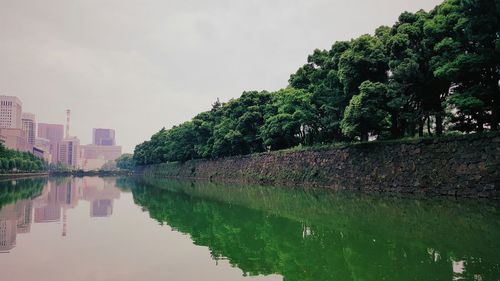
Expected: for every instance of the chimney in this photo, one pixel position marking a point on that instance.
(68, 113)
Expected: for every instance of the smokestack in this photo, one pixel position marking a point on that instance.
(68, 114)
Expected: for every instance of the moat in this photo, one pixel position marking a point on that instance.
(124, 228)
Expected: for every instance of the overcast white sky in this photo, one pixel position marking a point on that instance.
(139, 65)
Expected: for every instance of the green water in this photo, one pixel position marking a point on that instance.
(179, 230)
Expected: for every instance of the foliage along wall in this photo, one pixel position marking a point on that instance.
(467, 166)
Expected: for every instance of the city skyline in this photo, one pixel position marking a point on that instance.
(19, 130)
(173, 61)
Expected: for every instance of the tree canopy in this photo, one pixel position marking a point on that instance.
(427, 74)
(12, 160)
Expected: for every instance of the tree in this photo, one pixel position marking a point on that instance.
(391, 84)
(290, 119)
(365, 114)
(125, 161)
(320, 78)
(237, 131)
(466, 36)
(364, 60)
(179, 143)
(12, 164)
(416, 93)
(204, 125)
(4, 164)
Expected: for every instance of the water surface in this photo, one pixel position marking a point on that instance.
(148, 229)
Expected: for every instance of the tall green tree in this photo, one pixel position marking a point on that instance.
(466, 44)
(365, 114)
(204, 126)
(238, 131)
(416, 92)
(365, 60)
(125, 161)
(290, 119)
(320, 77)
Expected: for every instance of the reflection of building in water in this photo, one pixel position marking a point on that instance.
(14, 219)
(8, 228)
(60, 196)
(47, 208)
(101, 194)
(56, 198)
(24, 217)
(7, 235)
(101, 208)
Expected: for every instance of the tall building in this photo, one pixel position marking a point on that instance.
(68, 151)
(54, 133)
(103, 136)
(14, 138)
(29, 126)
(10, 112)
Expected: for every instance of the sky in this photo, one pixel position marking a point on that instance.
(139, 65)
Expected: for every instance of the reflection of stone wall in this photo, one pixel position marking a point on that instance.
(463, 166)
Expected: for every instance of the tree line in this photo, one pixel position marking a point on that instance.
(12, 160)
(430, 73)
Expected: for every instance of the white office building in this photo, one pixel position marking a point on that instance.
(29, 126)
(10, 112)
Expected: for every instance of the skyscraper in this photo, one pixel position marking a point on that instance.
(29, 126)
(54, 133)
(68, 151)
(103, 136)
(10, 112)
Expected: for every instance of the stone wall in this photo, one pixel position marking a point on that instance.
(466, 166)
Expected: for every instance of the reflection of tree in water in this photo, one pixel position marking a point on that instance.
(15, 209)
(14, 190)
(309, 236)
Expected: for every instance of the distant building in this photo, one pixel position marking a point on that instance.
(44, 144)
(29, 126)
(40, 153)
(103, 137)
(10, 112)
(54, 133)
(103, 149)
(68, 152)
(95, 156)
(15, 139)
(106, 153)
(92, 164)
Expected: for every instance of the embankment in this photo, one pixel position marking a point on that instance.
(465, 166)
(81, 173)
(22, 175)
